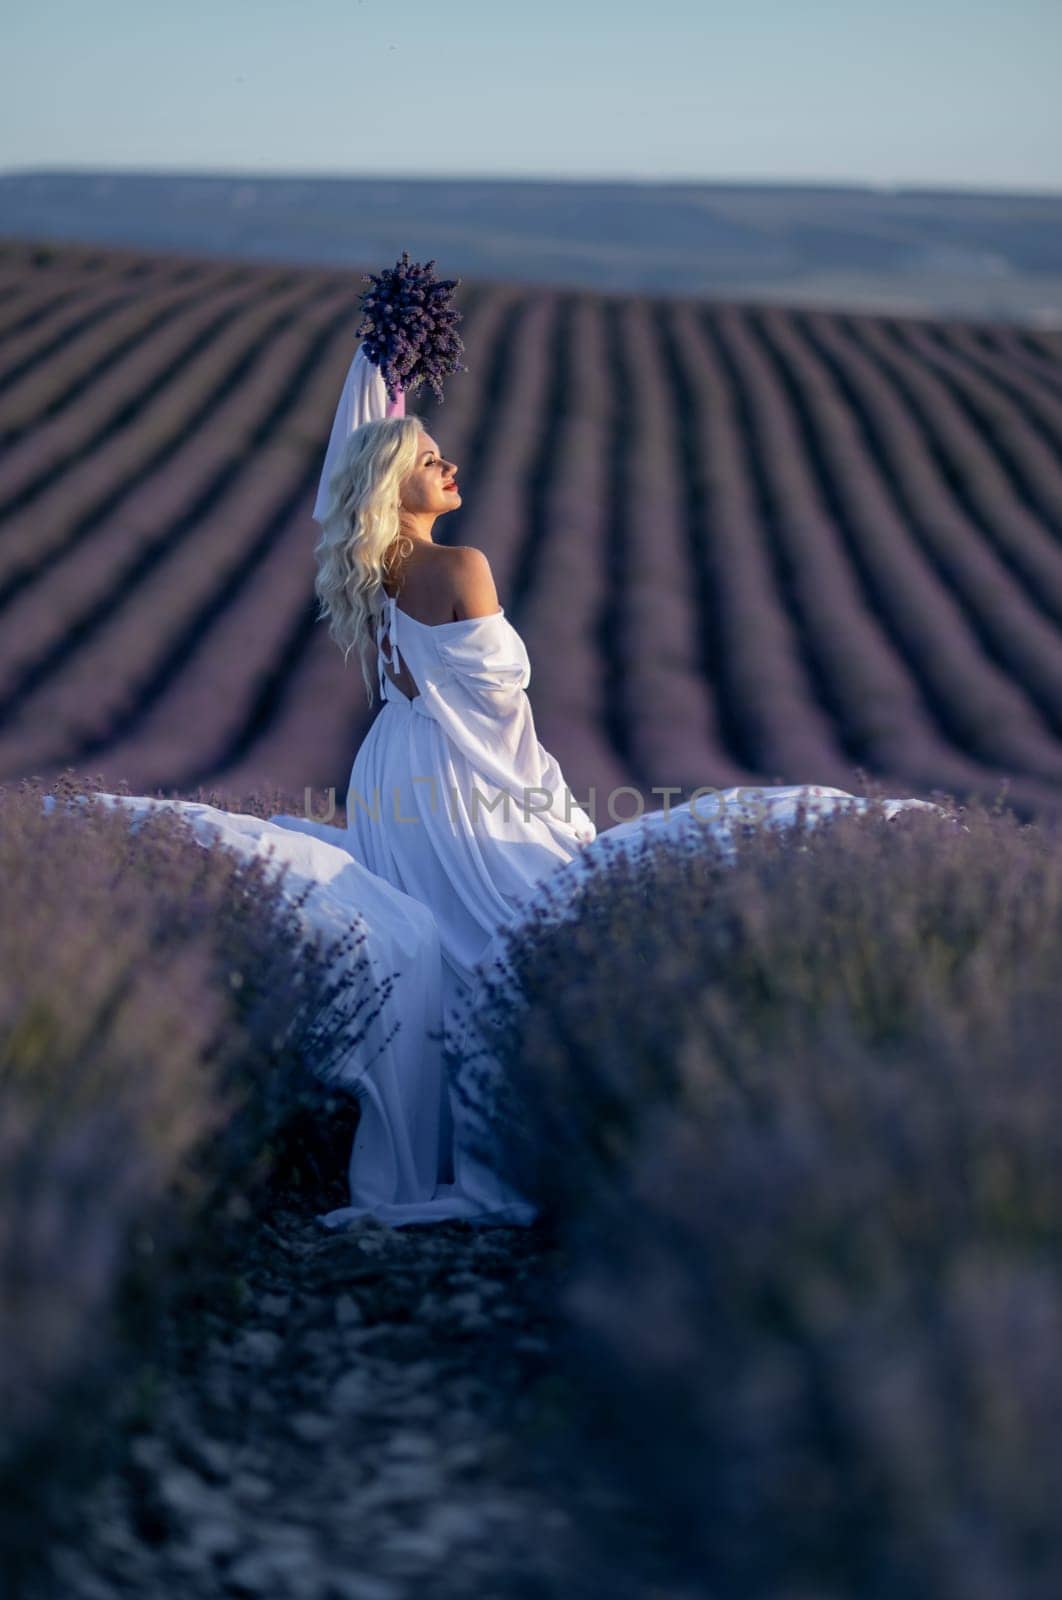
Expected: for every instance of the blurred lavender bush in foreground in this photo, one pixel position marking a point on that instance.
(799, 1118)
(161, 1012)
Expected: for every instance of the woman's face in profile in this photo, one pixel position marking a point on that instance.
(430, 486)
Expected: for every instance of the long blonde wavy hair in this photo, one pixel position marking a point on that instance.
(361, 541)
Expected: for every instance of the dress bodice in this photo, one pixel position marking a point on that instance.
(486, 652)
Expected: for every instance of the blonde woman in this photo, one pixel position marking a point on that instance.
(452, 799)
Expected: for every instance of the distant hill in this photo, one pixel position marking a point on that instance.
(743, 544)
(921, 252)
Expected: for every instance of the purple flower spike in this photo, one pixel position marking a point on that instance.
(409, 328)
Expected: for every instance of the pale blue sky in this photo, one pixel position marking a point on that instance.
(949, 92)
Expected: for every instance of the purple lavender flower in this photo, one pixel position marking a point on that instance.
(409, 327)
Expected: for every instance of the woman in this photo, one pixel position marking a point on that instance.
(452, 799)
(455, 813)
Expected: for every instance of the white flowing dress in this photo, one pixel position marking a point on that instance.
(456, 816)
(451, 796)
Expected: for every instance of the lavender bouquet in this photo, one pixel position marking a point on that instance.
(408, 327)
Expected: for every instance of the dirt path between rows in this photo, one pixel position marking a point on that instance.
(382, 1414)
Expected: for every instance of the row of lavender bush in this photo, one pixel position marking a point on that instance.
(799, 1118)
(854, 556)
(166, 1026)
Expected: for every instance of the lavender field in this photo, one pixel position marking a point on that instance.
(743, 544)
(792, 1323)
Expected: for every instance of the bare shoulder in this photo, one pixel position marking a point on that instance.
(472, 589)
